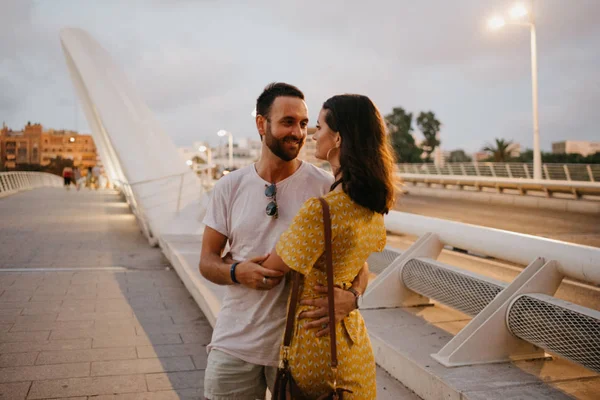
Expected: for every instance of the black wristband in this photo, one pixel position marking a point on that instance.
(232, 272)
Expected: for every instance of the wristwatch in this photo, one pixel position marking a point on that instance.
(358, 297)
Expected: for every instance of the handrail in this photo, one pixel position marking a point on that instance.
(562, 172)
(577, 188)
(15, 181)
(576, 261)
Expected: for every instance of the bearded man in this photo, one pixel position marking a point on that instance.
(250, 208)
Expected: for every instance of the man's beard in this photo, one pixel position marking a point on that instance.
(277, 146)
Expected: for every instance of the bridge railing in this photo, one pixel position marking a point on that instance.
(518, 320)
(562, 172)
(14, 181)
(577, 188)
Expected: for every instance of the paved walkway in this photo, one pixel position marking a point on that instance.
(88, 310)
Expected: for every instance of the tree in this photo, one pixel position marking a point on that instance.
(459, 156)
(500, 151)
(399, 124)
(430, 128)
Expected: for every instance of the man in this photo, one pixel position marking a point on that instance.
(250, 208)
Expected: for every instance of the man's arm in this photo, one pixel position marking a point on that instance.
(216, 270)
(345, 303)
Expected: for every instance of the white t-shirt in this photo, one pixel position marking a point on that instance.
(251, 322)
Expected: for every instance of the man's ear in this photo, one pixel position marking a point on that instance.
(261, 124)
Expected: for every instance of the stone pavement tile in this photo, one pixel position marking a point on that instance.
(175, 380)
(200, 360)
(45, 345)
(92, 316)
(171, 350)
(17, 359)
(180, 394)
(142, 366)
(13, 304)
(50, 290)
(43, 372)
(42, 308)
(87, 355)
(6, 337)
(201, 336)
(199, 327)
(93, 332)
(49, 317)
(14, 391)
(16, 295)
(10, 312)
(98, 385)
(5, 327)
(50, 325)
(136, 340)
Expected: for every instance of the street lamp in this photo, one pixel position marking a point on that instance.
(206, 149)
(516, 18)
(230, 138)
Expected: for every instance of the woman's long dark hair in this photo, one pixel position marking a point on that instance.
(366, 159)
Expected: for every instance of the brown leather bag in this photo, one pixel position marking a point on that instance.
(285, 386)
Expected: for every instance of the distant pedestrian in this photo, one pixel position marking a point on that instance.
(77, 177)
(96, 176)
(67, 174)
(88, 178)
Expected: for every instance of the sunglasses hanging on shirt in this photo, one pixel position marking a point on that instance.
(271, 193)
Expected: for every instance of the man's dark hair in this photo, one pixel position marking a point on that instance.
(273, 91)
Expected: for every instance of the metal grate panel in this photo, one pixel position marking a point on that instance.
(572, 332)
(380, 261)
(461, 290)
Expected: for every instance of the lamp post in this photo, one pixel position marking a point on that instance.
(208, 151)
(516, 14)
(230, 139)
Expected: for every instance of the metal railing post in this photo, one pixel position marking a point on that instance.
(476, 168)
(462, 169)
(545, 167)
(526, 167)
(589, 170)
(491, 165)
(567, 174)
(508, 170)
(180, 190)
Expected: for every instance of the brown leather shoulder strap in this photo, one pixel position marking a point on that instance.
(291, 315)
(329, 264)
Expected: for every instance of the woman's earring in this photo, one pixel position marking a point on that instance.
(333, 166)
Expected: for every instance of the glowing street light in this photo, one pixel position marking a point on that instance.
(189, 163)
(496, 22)
(517, 12)
(222, 133)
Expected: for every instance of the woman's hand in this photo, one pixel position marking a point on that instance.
(345, 303)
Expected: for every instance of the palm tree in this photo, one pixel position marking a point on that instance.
(500, 152)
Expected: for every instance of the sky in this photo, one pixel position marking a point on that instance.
(201, 64)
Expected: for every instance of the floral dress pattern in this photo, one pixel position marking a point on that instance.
(356, 233)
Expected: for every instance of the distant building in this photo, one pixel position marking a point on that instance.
(579, 147)
(33, 145)
(481, 156)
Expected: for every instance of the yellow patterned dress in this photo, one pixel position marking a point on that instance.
(356, 233)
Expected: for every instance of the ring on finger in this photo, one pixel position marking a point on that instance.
(324, 325)
(265, 280)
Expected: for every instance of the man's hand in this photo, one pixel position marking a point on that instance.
(251, 274)
(345, 303)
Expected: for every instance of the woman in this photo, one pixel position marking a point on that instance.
(351, 136)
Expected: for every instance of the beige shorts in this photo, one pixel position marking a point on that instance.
(227, 378)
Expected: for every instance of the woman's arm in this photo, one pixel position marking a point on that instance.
(275, 262)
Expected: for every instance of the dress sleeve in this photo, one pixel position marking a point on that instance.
(301, 245)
